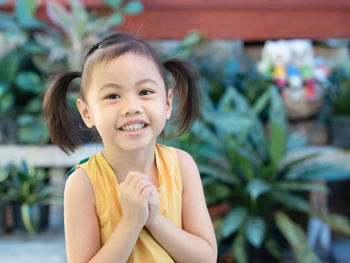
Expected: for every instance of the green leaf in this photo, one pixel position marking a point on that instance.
(259, 140)
(292, 201)
(25, 8)
(29, 81)
(337, 222)
(191, 39)
(133, 7)
(9, 67)
(287, 166)
(278, 128)
(115, 19)
(30, 216)
(218, 173)
(232, 122)
(233, 100)
(34, 106)
(233, 220)
(238, 248)
(6, 102)
(113, 3)
(269, 170)
(272, 246)
(205, 134)
(255, 230)
(4, 173)
(333, 174)
(261, 103)
(317, 170)
(277, 143)
(257, 187)
(31, 23)
(59, 16)
(80, 17)
(295, 236)
(215, 192)
(44, 192)
(24, 11)
(32, 130)
(240, 154)
(24, 168)
(301, 186)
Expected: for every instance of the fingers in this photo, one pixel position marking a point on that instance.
(142, 184)
(137, 181)
(129, 178)
(146, 192)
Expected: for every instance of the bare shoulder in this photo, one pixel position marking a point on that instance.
(188, 168)
(185, 160)
(78, 186)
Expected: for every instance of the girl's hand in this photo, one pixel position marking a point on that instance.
(134, 193)
(153, 205)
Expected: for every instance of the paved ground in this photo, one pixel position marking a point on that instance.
(49, 247)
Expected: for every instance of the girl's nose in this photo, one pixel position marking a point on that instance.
(131, 106)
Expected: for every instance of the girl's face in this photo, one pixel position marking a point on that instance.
(127, 102)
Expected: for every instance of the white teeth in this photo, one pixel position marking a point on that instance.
(133, 127)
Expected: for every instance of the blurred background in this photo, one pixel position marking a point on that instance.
(272, 143)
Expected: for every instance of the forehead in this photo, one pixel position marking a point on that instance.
(125, 70)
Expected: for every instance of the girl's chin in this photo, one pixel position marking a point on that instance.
(136, 145)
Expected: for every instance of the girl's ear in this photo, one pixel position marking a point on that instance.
(169, 104)
(85, 113)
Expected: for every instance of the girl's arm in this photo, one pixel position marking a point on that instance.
(196, 241)
(81, 222)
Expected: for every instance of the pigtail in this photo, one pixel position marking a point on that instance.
(186, 91)
(57, 114)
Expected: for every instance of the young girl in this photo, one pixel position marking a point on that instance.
(136, 200)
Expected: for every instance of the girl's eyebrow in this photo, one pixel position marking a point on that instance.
(118, 86)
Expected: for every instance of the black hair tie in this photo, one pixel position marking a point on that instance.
(94, 47)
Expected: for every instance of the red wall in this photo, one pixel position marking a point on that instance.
(242, 19)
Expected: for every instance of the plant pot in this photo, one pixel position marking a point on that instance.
(31, 218)
(339, 129)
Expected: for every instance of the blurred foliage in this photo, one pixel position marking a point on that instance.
(338, 95)
(28, 187)
(76, 30)
(32, 49)
(216, 74)
(260, 172)
(247, 159)
(21, 82)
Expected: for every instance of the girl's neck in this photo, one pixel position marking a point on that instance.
(123, 162)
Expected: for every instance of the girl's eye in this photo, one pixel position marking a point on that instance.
(145, 92)
(112, 97)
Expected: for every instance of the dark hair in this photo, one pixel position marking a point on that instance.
(185, 76)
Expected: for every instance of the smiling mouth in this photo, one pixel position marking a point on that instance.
(133, 127)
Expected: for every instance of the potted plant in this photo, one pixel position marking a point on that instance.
(29, 191)
(339, 107)
(243, 164)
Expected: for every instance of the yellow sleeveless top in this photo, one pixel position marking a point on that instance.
(105, 186)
